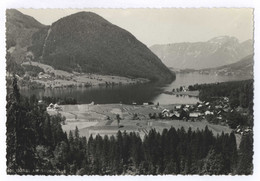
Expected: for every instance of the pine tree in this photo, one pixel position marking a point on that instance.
(245, 156)
(47, 134)
(105, 152)
(77, 139)
(20, 134)
(232, 152)
(61, 156)
(213, 164)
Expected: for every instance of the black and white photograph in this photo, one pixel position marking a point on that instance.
(135, 91)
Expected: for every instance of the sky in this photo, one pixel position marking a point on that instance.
(163, 26)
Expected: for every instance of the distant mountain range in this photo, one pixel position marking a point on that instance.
(82, 42)
(216, 52)
(244, 68)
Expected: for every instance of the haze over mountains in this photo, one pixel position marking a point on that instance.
(243, 67)
(216, 52)
(82, 42)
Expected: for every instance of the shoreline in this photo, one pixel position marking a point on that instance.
(187, 93)
(52, 78)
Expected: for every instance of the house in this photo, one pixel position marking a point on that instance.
(175, 115)
(186, 109)
(145, 104)
(226, 110)
(51, 105)
(178, 107)
(44, 76)
(165, 110)
(226, 99)
(194, 115)
(218, 107)
(219, 117)
(57, 107)
(247, 130)
(92, 103)
(208, 113)
(165, 113)
(238, 130)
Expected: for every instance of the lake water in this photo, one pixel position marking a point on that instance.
(133, 93)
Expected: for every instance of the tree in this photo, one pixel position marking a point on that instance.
(235, 119)
(60, 156)
(243, 99)
(47, 134)
(118, 119)
(77, 139)
(136, 149)
(105, 151)
(213, 164)
(44, 159)
(245, 155)
(234, 103)
(20, 134)
(232, 149)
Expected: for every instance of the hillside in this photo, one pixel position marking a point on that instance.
(85, 42)
(19, 31)
(244, 67)
(216, 52)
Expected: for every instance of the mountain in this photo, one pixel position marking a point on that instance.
(216, 52)
(19, 31)
(243, 67)
(86, 42)
(82, 42)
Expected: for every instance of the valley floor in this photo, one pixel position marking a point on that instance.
(101, 119)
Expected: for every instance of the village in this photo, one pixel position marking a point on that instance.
(43, 76)
(107, 119)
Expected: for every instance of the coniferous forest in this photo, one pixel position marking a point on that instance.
(37, 145)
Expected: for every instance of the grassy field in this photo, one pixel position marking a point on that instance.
(101, 119)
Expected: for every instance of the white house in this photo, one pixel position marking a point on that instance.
(194, 115)
(208, 113)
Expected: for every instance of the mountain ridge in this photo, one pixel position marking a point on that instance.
(215, 52)
(243, 67)
(19, 31)
(86, 42)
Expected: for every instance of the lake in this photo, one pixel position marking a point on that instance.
(127, 94)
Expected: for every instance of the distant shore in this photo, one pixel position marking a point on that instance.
(52, 78)
(187, 93)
